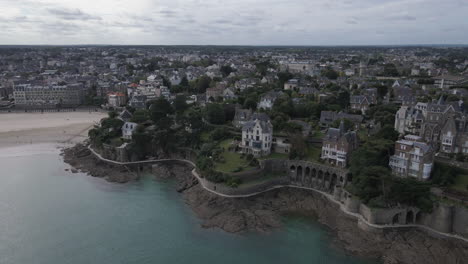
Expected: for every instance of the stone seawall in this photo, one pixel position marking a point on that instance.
(330, 185)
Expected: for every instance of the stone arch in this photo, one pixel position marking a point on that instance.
(320, 175)
(293, 168)
(307, 171)
(418, 218)
(314, 173)
(327, 176)
(396, 219)
(333, 179)
(299, 172)
(341, 179)
(410, 217)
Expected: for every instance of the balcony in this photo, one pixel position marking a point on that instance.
(257, 144)
(396, 161)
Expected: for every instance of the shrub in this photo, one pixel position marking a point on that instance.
(219, 134)
(214, 176)
(238, 169)
(233, 182)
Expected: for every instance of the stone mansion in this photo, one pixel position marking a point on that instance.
(257, 136)
(338, 145)
(443, 125)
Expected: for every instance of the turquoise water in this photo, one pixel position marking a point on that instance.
(49, 215)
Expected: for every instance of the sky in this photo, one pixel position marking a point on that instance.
(234, 22)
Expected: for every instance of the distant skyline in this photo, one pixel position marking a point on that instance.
(240, 22)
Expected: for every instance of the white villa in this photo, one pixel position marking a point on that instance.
(127, 129)
(257, 136)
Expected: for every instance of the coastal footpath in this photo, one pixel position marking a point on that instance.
(261, 211)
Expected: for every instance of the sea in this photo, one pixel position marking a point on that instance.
(49, 215)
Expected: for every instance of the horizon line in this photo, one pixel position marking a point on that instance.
(242, 45)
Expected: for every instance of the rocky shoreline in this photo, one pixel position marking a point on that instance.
(81, 160)
(263, 213)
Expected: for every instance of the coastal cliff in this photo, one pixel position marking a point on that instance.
(81, 159)
(263, 213)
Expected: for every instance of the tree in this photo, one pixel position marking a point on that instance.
(387, 132)
(226, 70)
(348, 124)
(180, 104)
(184, 83)
(372, 182)
(229, 111)
(375, 152)
(250, 103)
(159, 108)
(343, 99)
(284, 77)
(215, 114)
(166, 82)
(201, 84)
(390, 70)
(384, 114)
(140, 116)
(382, 90)
(219, 133)
(112, 114)
(298, 146)
(411, 192)
(330, 73)
(140, 140)
(284, 105)
(444, 175)
(194, 119)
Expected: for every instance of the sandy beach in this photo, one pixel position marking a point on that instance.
(35, 128)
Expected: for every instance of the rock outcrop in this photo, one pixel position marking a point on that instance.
(82, 160)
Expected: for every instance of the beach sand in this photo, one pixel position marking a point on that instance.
(34, 128)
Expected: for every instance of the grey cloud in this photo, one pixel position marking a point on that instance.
(167, 13)
(72, 14)
(403, 17)
(18, 20)
(61, 28)
(222, 21)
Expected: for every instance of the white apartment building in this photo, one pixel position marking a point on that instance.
(28, 95)
(412, 158)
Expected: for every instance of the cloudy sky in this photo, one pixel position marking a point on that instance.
(236, 22)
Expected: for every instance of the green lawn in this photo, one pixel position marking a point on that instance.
(275, 156)
(461, 183)
(232, 160)
(116, 142)
(317, 134)
(313, 153)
